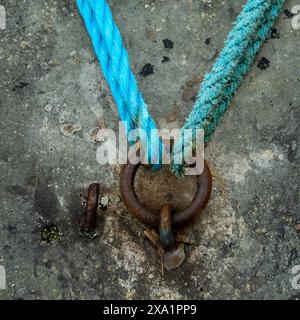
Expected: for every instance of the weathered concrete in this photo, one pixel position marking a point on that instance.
(246, 240)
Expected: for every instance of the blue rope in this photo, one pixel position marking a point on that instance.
(241, 47)
(115, 66)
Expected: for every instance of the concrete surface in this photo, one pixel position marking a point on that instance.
(246, 241)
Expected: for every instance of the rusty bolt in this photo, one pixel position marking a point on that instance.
(89, 225)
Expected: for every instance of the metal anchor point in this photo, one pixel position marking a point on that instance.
(163, 220)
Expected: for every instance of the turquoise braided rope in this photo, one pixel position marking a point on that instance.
(241, 47)
(115, 64)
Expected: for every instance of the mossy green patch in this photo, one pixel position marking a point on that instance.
(50, 233)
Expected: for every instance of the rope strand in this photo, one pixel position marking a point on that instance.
(241, 47)
(115, 65)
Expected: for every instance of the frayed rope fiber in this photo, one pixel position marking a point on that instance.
(250, 30)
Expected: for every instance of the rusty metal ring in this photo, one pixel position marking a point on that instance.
(150, 218)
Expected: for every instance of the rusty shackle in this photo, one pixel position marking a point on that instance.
(152, 219)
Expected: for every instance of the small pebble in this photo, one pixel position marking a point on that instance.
(61, 119)
(24, 44)
(73, 53)
(69, 130)
(151, 35)
(92, 135)
(104, 201)
(55, 61)
(48, 107)
(261, 231)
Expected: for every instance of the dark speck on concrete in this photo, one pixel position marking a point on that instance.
(147, 70)
(288, 13)
(169, 44)
(45, 202)
(263, 63)
(16, 190)
(208, 41)
(12, 228)
(274, 34)
(165, 59)
(21, 85)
